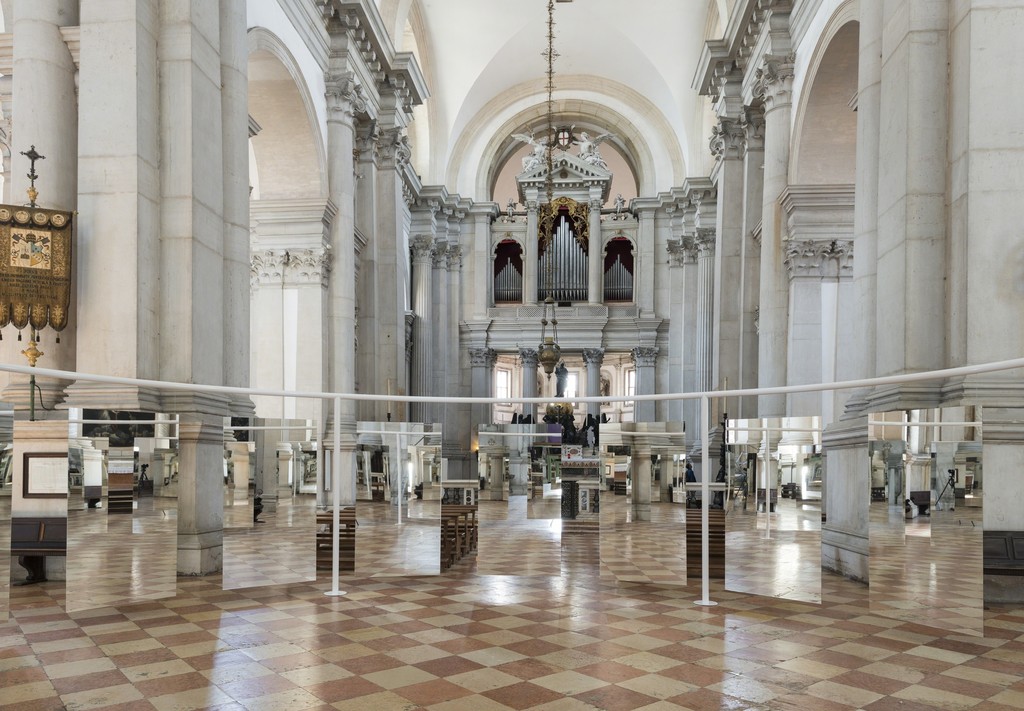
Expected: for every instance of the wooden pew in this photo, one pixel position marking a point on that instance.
(33, 538)
(346, 540)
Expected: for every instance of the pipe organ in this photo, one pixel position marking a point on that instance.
(618, 282)
(508, 285)
(562, 269)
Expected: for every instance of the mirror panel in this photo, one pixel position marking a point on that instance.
(6, 485)
(643, 538)
(122, 537)
(270, 513)
(399, 508)
(773, 474)
(925, 521)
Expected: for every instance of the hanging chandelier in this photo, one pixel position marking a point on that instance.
(549, 353)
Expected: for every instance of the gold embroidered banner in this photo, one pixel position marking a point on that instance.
(35, 267)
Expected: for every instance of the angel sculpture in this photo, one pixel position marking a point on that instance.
(540, 147)
(588, 148)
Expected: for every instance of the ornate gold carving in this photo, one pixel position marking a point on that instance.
(579, 213)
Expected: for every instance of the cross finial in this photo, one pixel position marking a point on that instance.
(33, 155)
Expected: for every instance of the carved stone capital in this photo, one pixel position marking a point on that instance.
(644, 356)
(278, 266)
(455, 257)
(345, 97)
(593, 356)
(676, 252)
(704, 241)
(819, 258)
(528, 357)
(727, 139)
(773, 80)
(752, 124)
(482, 357)
(439, 255)
(395, 150)
(689, 250)
(421, 246)
(367, 146)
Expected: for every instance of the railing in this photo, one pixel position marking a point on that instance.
(704, 431)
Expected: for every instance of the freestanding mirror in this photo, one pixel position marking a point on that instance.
(269, 516)
(772, 503)
(399, 507)
(122, 529)
(925, 520)
(6, 474)
(643, 530)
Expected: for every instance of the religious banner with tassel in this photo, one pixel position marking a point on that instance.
(35, 264)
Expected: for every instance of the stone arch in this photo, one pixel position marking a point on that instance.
(288, 150)
(643, 135)
(825, 126)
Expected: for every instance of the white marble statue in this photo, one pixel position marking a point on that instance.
(589, 152)
(537, 157)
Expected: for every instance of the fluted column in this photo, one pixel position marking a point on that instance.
(774, 84)
(482, 360)
(595, 260)
(705, 243)
(676, 335)
(344, 100)
(46, 115)
(439, 327)
(530, 264)
(422, 305)
(528, 358)
(644, 360)
(592, 358)
(752, 123)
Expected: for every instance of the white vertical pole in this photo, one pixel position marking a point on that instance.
(336, 499)
(705, 505)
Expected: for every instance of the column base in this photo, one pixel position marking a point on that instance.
(103, 396)
(200, 554)
(641, 511)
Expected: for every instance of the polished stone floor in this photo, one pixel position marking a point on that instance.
(579, 636)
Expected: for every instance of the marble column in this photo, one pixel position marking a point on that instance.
(530, 255)
(774, 84)
(705, 243)
(595, 260)
(46, 116)
(644, 263)
(528, 359)
(289, 475)
(367, 156)
(676, 317)
(200, 497)
(345, 99)
(264, 462)
(456, 429)
(727, 143)
(592, 359)
(691, 416)
(422, 305)
(912, 284)
(644, 360)
(234, 60)
(752, 122)
(482, 362)
(439, 327)
(640, 461)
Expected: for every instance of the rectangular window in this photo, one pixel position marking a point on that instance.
(630, 382)
(572, 385)
(502, 383)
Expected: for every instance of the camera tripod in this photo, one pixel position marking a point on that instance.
(950, 484)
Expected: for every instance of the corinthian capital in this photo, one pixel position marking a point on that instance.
(704, 241)
(819, 258)
(421, 246)
(773, 81)
(644, 356)
(345, 97)
(528, 356)
(593, 356)
(482, 357)
(727, 139)
(394, 148)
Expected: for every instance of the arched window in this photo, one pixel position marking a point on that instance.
(618, 270)
(508, 273)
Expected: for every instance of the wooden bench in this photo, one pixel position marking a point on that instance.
(459, 533)
(346, 540)
(716, 543)
(1003, 552)
(33, 538)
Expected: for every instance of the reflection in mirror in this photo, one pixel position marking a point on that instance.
(122, 535)
(6, 474)
(925, 517)
(399, 504)
(520, 536)
(773, 474)
(643, 503)
(270, 514)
